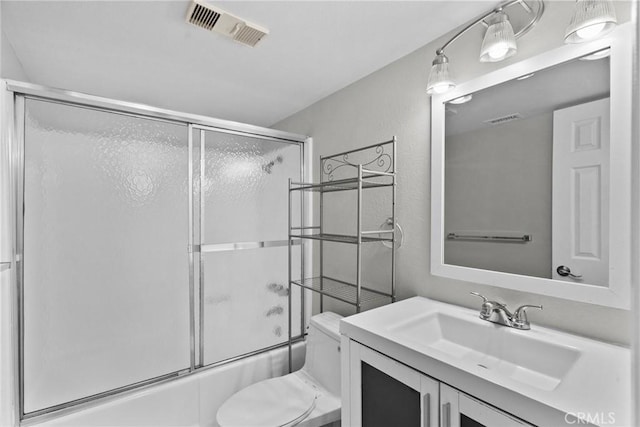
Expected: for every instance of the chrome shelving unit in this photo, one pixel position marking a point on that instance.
(358, 170)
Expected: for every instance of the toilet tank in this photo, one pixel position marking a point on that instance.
(322, 360)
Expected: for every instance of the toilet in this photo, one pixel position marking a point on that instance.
(309, 397)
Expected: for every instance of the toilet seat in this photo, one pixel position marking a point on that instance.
(276, 402)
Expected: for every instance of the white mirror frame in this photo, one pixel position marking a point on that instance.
(618, 292)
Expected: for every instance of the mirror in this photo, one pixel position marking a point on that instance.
(531, 189)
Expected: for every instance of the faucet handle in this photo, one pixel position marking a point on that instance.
(484, 299)
(520, 320)
(487, 306)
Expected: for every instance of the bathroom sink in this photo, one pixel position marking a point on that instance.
(484, 346)
(540, 374)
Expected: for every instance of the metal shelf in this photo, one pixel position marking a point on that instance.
(369, 180)
(341, 238)
(343, 291)
(373, 166)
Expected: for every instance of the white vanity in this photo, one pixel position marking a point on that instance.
(426, 363)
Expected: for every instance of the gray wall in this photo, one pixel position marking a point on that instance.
(10, 66)
(393, 101)
(499, 179)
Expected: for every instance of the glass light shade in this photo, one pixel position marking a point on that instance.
(591, 19)
(499, 41)
(440, 80)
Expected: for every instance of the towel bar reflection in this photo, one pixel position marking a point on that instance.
(490, 238)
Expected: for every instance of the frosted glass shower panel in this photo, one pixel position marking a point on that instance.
(106, 273)
(245, 191)
(246, 303)
(245, 187)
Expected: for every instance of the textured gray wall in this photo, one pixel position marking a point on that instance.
(499, 179)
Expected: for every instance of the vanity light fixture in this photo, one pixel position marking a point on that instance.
(499, 41)
(591, 19)
(440, 80)
(504, 25)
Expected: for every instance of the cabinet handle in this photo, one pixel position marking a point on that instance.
(446, 415)
(426, 409)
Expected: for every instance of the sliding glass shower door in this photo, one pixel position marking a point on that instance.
(147, 249)
(106, 272)
(243, 241)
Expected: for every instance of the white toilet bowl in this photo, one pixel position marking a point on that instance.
(309, 397)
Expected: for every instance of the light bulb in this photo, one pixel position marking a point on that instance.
(591, 31)
(461, 99)
(440, 80)
(499, 41)
(498, 51)
(591, 19)
(441, 88)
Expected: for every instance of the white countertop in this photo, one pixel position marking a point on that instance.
(598, 385)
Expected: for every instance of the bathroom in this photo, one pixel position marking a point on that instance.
(338, 86)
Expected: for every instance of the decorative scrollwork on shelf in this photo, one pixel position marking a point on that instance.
(382, 162)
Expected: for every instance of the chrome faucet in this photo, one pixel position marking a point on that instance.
(497, 312)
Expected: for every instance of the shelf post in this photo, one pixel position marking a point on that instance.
(290, 278)
(320, 255)
(359, 244)
(393, 216)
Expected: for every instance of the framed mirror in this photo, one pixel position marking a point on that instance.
(531, 175)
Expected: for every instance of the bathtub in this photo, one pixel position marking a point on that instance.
(189, 401)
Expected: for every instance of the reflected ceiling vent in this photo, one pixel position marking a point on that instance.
(217, 20)
(503, 119)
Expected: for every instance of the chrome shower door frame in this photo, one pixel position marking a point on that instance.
(12, 114)
(201, 248)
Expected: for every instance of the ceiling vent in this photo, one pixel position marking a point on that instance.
(503, 119)
(217, 20)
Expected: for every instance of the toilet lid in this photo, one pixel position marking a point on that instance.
(282, 401)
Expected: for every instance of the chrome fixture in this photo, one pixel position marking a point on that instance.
(490, 237)
(496, 312)
(386, 228)
(499, 41)
(504, 26)
(591, 19)
(440, 80)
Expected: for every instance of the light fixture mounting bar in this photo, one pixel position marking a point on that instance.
(481, 19)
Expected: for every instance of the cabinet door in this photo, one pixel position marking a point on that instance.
(460, 410)
(384, 392)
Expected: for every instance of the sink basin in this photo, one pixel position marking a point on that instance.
(540, 374)
(477, 344)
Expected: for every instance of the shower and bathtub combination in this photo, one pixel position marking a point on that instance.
(144, 260)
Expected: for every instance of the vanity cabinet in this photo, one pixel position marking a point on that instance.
(384, 392)
(460, 409)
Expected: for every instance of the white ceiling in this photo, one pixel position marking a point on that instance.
(567, 84)
(143, 51)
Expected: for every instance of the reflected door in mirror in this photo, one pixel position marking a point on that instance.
(580, 249)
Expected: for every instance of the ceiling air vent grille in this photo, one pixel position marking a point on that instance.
(504, 119)
(218, 21)
(203, 17)
(249, 35)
